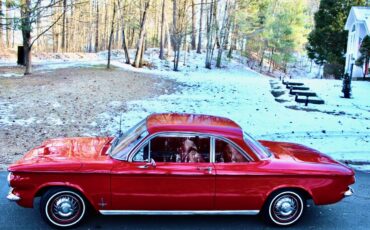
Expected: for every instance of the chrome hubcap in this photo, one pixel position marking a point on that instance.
(65, 207)
(285, 208)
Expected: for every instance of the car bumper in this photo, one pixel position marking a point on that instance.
(349, 192)
(11, 196)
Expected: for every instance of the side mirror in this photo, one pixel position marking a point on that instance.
(152, 163)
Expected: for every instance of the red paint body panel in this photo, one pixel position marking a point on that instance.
(83, 164)
(168, 186)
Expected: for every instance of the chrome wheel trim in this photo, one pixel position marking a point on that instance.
(64, 205)
(286, 208)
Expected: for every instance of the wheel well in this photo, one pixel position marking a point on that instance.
(43, 190)
(306, 195)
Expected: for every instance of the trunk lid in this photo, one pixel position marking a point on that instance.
(297, 152)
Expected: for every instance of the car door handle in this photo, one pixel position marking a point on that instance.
(143, 166)
(208, 169)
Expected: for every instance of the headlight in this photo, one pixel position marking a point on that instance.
(9, 178)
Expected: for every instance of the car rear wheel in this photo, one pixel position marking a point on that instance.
(284, 208)
(62, 208)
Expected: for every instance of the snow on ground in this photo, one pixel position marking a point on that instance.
(339, 128)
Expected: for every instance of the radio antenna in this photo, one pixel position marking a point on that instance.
(120, 124)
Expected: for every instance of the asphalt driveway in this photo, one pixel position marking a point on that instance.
(350, 213)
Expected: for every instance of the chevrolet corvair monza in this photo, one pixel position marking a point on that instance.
(176, 164)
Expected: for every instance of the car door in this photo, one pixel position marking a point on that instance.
(238, 183)
(161, 177)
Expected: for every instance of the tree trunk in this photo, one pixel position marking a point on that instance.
(124, 43)
(210, 31)
(169, 45)
(28, 57)
(272, 54)
(193, 29)
(124, 46)
(1, 25)
(26, 33)
(199, 48)
(262, 57)
(9, 24)
(111, 35)
(97, 27)
(90, 28)
(224, 34)
(366, 66)
(161, 48)
(64, 26)
(176, 44)
(140, 44)
(142, 51)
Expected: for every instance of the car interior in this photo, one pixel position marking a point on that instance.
(188, 150)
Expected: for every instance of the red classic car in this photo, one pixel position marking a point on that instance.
(176, 164)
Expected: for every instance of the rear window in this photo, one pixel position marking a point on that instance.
(261, 151)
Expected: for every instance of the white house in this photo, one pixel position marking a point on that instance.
(358, 26)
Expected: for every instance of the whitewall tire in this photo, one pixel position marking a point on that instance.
(62, 208)
(284, 208)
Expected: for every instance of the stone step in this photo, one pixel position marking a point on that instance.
(298, 87)
(292, 83)
(309, 100)
(303, 93)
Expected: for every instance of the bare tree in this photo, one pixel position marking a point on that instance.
(140, 45)
(97, 27)
(224, 33)
(8, 22)
(111, 34)
(29, 10)
(211, 33)
(64, 21)
(161, 46)
(124, 43)
(1, 24)
(168, 40)
(178, 29)
(193, 29)
(199, 48)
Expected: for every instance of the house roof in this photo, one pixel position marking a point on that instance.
(358, 14)
(191, 122)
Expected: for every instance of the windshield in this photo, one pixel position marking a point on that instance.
(256, 146)
(123, 143)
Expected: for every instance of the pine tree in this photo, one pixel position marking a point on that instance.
(327, 42)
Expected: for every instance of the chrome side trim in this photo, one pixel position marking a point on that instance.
(349, 192)
(179, 212)
(11, 196)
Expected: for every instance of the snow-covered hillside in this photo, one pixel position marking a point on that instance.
(339, 128)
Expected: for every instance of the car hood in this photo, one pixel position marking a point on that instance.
(63, 153)
(296, 152)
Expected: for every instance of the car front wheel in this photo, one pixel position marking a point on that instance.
(62, 207)
(284, 208)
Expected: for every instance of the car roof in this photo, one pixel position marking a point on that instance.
(161, 122)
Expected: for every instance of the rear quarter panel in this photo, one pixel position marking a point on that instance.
(247, 186)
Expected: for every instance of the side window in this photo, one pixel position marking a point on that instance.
(180, 149)
(142, 154)
(227, 153)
